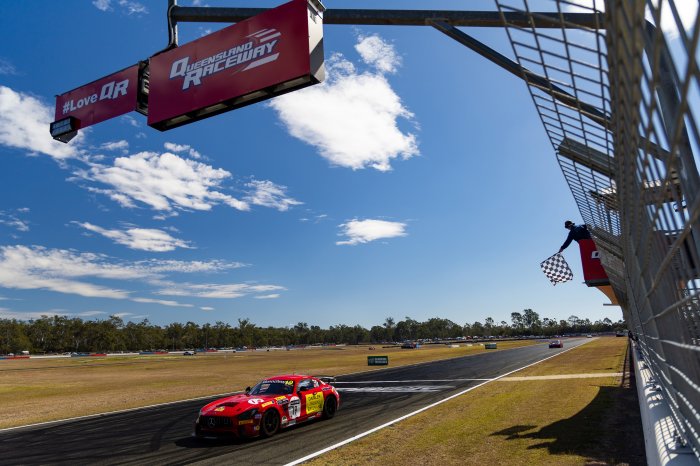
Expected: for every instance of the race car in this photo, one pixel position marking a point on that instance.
(273, 404)
(556, 344)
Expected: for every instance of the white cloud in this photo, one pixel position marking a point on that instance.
(687, 11)
(70, 272)
(227, 291)
(128, 119)
(161, 266)
(352, 118)
(30, 315)
(161, 302)
(7, 68)
(102, 5)
(127, 6)
(11, 220)
(268, 296)
(378, 53)
(92, 314)
(171, 146)
(165, 182)
(130, 7)
(26, 268)
(177, 148)
(115, 145)
(207, 308)
(268, 194)
(24, 124)
(364, 231)
(144, 239)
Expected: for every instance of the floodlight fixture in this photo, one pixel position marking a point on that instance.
(66, 129)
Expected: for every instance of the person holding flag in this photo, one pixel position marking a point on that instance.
(576, 232)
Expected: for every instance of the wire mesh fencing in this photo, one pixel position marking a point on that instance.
(618, 106)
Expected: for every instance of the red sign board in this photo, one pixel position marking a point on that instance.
(593, 271)
(100, 100)
(269, 54)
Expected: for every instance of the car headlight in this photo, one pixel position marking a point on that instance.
(248, 414)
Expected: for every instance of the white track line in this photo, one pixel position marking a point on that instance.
(425, 408)
(413, 381)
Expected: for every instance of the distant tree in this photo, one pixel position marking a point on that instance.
(517, 319)
(531, 321)
(573, 322)
(488, 326)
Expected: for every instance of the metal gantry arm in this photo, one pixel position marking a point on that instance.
(444, 21)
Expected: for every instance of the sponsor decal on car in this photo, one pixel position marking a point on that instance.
(294, 407)
(220, 408)
(282, 400)
(285, 420)
(255, 401)
(257, 416)
(283, 381)
(266, 404)
(247, 421)
(314, 402)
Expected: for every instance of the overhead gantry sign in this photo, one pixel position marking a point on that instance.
(277, 51)
(269, 52)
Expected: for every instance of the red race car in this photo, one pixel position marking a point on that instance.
(271, 405)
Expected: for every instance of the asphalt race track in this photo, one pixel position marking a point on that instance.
(161, 435)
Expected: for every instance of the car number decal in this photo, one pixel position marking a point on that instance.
(294, 407)
(314, 402)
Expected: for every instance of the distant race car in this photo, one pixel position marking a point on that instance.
(556, 344)
(273, 404)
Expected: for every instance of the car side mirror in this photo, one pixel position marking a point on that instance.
(247, 390)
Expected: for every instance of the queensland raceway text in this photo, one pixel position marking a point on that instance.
(234, 56)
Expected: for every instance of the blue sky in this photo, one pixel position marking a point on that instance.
(417, 181)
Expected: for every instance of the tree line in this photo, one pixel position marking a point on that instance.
(59, 334)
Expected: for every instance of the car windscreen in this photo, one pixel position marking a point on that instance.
(273, 387)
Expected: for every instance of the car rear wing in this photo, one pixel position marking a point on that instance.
(327, 379)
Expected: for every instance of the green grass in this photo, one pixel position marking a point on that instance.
(539, 422)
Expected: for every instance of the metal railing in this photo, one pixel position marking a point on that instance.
(633, 173)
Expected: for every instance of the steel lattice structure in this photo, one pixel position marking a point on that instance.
(632, 170)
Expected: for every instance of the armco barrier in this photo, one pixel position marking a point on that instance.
(661, 440)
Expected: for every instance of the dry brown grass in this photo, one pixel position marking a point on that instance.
(554, 422)
(38, 390)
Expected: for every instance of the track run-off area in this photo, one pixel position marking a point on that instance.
(162, 434)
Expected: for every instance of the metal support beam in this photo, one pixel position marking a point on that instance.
(531, 78)
(402, 17)
(172, 25)
(588, 157)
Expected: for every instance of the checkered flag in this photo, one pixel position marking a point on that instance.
(556, 269)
